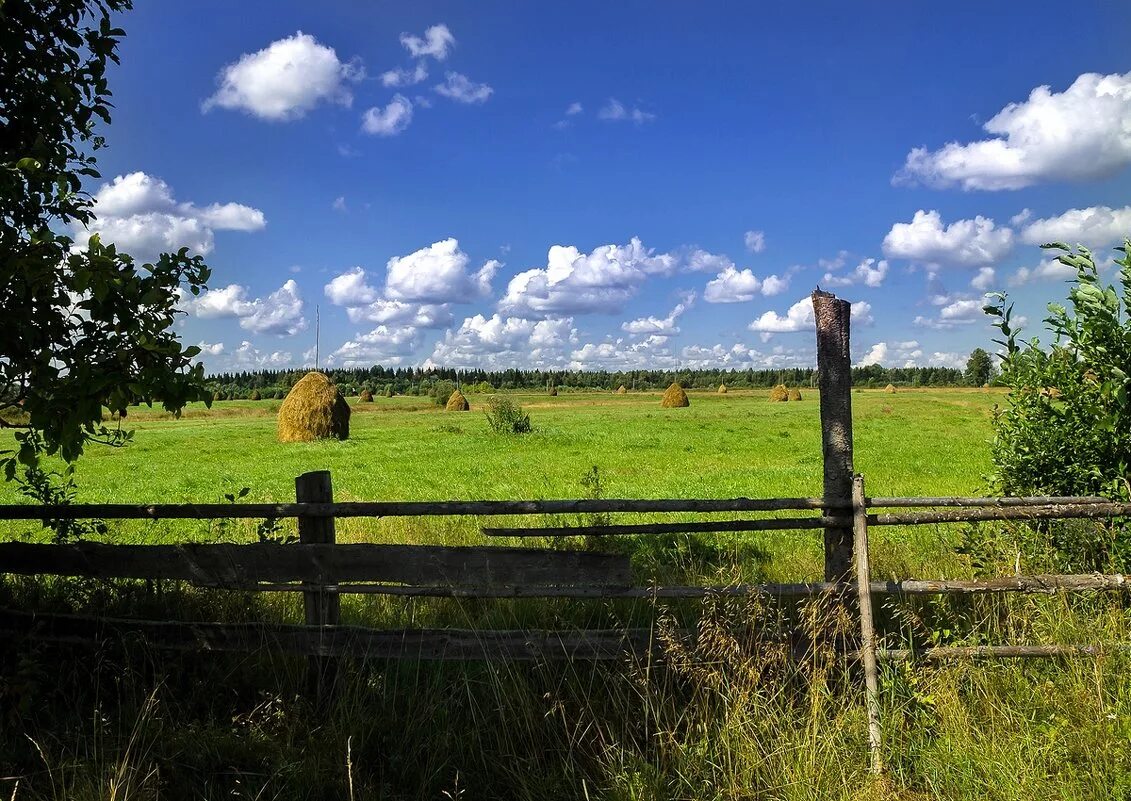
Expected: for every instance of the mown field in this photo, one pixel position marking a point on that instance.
(729, 717)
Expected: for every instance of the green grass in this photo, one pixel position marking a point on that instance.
(730, 719)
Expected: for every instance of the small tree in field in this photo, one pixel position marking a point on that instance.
(1066, 428)
(979, 368)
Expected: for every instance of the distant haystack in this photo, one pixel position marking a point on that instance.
(890, 389)
(722, 389)
(553, 392)
(674, 398)
(457, 403)
(779, 394)
(255, 395)
(795, 394)
(366, 396)
(313, 409)
(622, 390)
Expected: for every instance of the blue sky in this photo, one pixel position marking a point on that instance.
(599, 185)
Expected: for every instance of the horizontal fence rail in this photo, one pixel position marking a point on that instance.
(219, 511)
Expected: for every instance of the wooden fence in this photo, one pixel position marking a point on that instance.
(323, 570)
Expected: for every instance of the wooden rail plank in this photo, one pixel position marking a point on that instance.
(244, 566)
(215, 511)
(329, 641)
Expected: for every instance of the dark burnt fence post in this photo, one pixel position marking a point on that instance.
(834, 380)
(321, 604)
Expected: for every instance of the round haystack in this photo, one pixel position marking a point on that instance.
(621, 390)
(722, 389)
(674, 398)
(313, 409)
(779, 394)
(553, 392)
(795, 394)
(457, 403)
(255, 395)
(366, 396)
(889, 389)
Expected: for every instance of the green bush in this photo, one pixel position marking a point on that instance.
(441, 391)
(1066, 427)
(506, 417)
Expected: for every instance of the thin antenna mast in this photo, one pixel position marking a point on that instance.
(317, 330)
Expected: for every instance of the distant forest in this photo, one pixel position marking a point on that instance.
(418, 381)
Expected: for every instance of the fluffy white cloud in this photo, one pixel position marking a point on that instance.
(664, 327)
(732, 286)
(395, 312)
(800, 318)
(1095, 227)
(390, 120)
(616, 111)
(755, 241)
(210, 348)
(574, 108)
(436, 42)
(437, 274)
(775, 285)
(905, 354)
(954, 313)
(279, 313)
(351, 289)
(984, 280)
(965, 243)
(398, 77)
(390, 345)
(1047, 270)
(138, 213)
(285, 80)
(868, 272)
(498, 341)
(249, 357)
(574, 283)
(460, 88)
(701, 261)
(1082, 133)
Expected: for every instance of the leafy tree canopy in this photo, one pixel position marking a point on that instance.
(81, 328)
(979, 368)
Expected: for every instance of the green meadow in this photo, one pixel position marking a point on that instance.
(728, 716)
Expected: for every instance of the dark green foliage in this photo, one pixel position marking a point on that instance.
(79, 331)
(979, 368)
(1066, 429)
(506, 417)
(441, 391)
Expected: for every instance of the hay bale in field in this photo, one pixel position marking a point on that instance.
(366, 396)
(889, 389)
(255, 395)
(457, 403)
(674, 398)
(795, 394)
(779, 394)
(553, 393)
(313, 409)
(622, 390)
(722, 389)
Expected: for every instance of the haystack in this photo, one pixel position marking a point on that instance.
(457, 403)
(553, 393)
(889, 389)
(795, 394)
(366, 396)
(255, 395)
(622, 390)
(674, 398)
(313, 409)
(722, 389)
(779, 394)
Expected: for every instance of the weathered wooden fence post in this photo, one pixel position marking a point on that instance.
(322, 606)
(834, 379)
(867, 624)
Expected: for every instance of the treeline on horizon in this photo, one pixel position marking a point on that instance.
(390, 381)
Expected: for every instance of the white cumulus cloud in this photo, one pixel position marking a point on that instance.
(732, 286)
(664, 327)
(964, 243)
(285, 80)
(755, 241)
(1095, 227)
(462, 89)
(437, 274)
(390, 120)
(800, 317)
(1082, 133)
(138, 213)
(436, 43)
(279, 313)
(868, 272)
